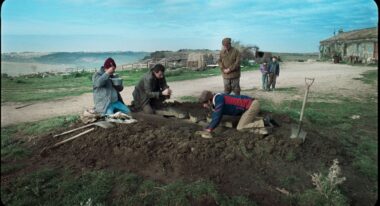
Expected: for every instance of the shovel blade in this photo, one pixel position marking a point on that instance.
(104, 124)
(298, 133)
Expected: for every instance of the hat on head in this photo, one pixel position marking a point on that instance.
(226, 40)
(205, 96)
(109, 63)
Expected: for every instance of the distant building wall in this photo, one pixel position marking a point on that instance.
(354, 51)
(357, 46)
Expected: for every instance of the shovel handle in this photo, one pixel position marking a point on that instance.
(309, 82)
(44, 151)
(71, 138)
(73, 130)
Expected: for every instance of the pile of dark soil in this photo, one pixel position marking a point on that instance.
(166, 150)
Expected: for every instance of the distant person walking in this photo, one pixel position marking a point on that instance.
(151, 90)
(107, 98)
(229, 62)
(274, 72)
(264, 75)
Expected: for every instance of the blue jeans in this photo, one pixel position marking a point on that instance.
(117, 106)
(264, 80)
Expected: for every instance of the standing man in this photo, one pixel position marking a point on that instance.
(229, 63)
(274, 72)
(151, 90)
(107, 98)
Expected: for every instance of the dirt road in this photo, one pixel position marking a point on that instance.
(330, 79)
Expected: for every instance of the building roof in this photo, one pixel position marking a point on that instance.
(359, 34)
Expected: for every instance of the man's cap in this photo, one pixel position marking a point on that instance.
(109, 63)
(226, 40)
(205, 96)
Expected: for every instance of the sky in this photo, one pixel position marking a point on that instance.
(125, 25)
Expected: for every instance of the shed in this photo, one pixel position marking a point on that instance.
(356, 46)
(199, 60)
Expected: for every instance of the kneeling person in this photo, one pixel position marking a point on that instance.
(235, 105)
(107, 98)
(151, 90)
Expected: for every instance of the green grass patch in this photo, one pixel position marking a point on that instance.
(289, 181)
(12, 146)
(290, 156)
(365, 160)
(28, 89)
(133, 190)
(358, 136)
(9, 168)
(287, 89)
(22, 89)
(312, 197)
(53, 187)
(44, 126)
(188, 99)
(369, 77)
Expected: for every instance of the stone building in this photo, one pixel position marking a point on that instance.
(199, 60)
(357, 46)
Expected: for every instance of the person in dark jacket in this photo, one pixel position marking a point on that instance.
(151, 90)
(107, 98)
(235, 105)
(274, 72)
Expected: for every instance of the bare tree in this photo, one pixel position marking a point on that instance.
(246, 51)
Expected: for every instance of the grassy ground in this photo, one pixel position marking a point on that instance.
(337, 120)
(54, 187)
(21, 89)
(352, 122)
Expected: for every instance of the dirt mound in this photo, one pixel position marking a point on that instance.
(166, 150)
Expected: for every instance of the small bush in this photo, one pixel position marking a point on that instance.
(327, 187)
(20, 81)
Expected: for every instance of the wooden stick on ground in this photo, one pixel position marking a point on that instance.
(24, 106)
(73, 130)
(43, 152)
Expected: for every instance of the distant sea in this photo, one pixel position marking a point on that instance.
(21, 63)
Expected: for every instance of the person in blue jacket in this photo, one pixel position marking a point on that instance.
(236, 105)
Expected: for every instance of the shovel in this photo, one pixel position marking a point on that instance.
(297, 132)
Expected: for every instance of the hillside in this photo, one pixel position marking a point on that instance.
(82, 59)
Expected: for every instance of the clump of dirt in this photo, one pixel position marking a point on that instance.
(167, 149)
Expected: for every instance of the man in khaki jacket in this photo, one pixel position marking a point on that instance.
(229, 62)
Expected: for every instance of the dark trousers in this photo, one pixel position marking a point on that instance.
(152, 105)
(272, 81)
(232, 85)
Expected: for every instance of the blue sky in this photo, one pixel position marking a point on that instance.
(142, 25)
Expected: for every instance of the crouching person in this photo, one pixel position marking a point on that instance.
(152, 90)
(235, 105)
(107, 98)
